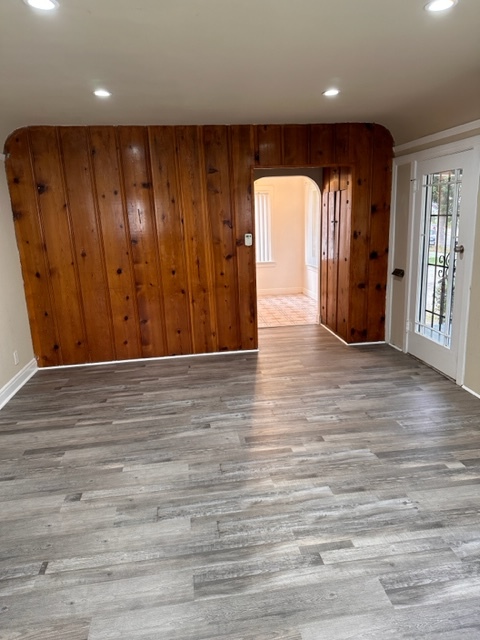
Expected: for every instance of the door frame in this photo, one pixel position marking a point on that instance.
(284, 171)
(413, 159)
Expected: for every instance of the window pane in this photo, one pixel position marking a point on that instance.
(440, 231)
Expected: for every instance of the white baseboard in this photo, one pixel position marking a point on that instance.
(351, 344)
(334, 334)
(310, 294)
(279, 292)
(474, 393)
(147, 360)
(16, 383)
(394, 346)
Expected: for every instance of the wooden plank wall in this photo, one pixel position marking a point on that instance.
(336, 232)
(131, 238)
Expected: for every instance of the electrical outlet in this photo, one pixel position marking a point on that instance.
(16, 359)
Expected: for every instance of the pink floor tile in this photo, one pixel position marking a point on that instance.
(274, 311)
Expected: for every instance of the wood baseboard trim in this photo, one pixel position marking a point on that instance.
(16, 383)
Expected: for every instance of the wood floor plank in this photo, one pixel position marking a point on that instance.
(312, 490)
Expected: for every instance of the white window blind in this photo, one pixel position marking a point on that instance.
(263, 226)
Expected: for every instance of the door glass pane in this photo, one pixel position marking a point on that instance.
(442, 195)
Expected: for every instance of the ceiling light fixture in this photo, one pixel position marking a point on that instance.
(331, 92)
(44, 5)
(440, 5)
(102, 93)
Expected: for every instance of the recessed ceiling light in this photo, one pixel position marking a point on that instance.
(440, 5)
(102, 93)
(331, 92)
(44, 5)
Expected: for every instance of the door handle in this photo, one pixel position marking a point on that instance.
(459, 248)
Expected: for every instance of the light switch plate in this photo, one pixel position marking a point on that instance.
(248, 239)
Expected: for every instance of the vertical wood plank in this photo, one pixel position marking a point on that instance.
(134, 158)
(54, 215)
(269, 145)
(344, 139)
(295, 145)
(223, 239)
(379, 232)
(334, 182)
(361, 148)
(325, 222)
(191, 171)
(242, 159)
(112, 221)
(32, 250)
(322, 144)
(344, 233)
(171, 240)
(87, 243)
(332, 286)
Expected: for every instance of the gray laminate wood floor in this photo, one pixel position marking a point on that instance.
(312, 491)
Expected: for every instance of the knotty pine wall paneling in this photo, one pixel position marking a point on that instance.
(361, 156)
(132, 238)
(324, 255)
(269, 139)
(80, 208)
(332, 258)
(32, 250)
(242, 150)
(379, 236)
(322, 145)
(222, 225)
(296, 145)
(335, 271)
(63, 269)
(171, 240)
(136, 178)
(116, 241)
(344, 241)
(198, 238)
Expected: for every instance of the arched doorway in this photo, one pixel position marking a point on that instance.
(287, 241)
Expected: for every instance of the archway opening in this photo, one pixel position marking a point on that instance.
(287, 244)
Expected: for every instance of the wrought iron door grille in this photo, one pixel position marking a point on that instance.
(442, 195)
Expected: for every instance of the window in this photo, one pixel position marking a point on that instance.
(263, 225)
(438, 255)
(312, 226)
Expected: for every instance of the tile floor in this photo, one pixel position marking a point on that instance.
(282, 311)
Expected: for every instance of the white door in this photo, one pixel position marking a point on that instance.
(442, 248)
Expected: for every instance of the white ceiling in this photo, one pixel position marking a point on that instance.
(240, 61)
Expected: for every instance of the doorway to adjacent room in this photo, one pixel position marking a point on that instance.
(287, 244)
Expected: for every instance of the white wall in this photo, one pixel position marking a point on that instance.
(310, 282)
(288, 273)
(14, 326)
(472, 363)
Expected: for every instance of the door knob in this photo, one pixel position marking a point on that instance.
(459, 248)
